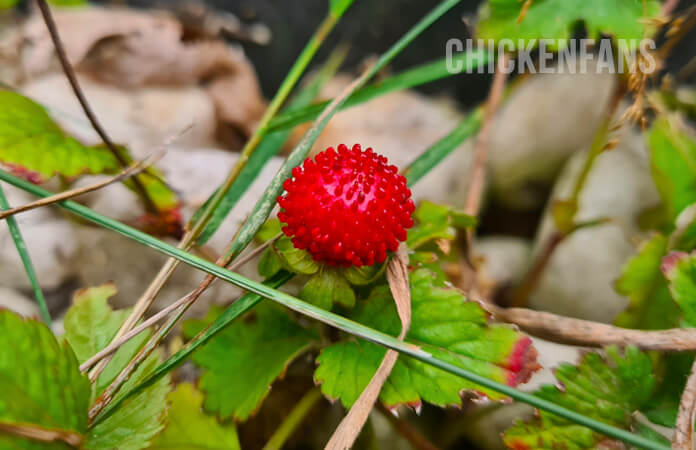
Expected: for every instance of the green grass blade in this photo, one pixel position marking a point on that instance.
(442, 148)
(26, 259)
(417, 76)
(332, 319)
(269, 146)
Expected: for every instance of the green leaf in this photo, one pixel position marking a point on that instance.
(270, 263)
(443, 324)
(41, 383)
(190, 428)
(680, 270)
(6, 4)
(34, 147)
(364, 275)
(608, 389)
(90, 324)
(326, 287)
(242, 361)
(556, 19)
(294, 259)
(269, 230)
(651, 306)
(673, 164)
(435, 222)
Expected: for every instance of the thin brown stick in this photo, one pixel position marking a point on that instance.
(521, 294)
(117, 343)
(132, 170)
(477, 175)
(684, 432)
(72, 79)
(108, 394)
(41, 434)
(566, 330)
(413, 436)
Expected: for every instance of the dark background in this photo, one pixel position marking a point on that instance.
(371, 26)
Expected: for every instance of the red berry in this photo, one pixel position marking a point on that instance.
(346, 208)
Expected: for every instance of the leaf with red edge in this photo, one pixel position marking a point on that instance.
(34, 147)
(680, 270)
(443, 324)
(608, 388)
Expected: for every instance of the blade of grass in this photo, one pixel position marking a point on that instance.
(26, 259)
(331, 319)
(270, 146)
(442, 148)
(417, 76)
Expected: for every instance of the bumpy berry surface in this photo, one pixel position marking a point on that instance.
(346, 207)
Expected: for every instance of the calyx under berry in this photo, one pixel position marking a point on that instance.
(346, 207)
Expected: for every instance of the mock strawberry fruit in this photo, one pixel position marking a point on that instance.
(346, 207)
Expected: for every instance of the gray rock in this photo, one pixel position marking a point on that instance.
(546, 120)
(505, 259)
(18, 303)
(579, 280)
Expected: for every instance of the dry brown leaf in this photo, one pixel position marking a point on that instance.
(129, 48)
(348, 430)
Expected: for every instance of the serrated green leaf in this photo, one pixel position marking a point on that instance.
(680, 270)
(434, 222)
(242, 361)
(90, 324)
(607, 388)
(673, 164)
(34, 147)
(443, 324)
(651, 306)
(326, 287)
(555, 20)
(294, 259)
(190, 428)
(41, 383)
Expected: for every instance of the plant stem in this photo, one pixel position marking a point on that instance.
(26, 259)
(568, 330)
(521, 294)
(70, 74)
(334, 320)
(293, 420)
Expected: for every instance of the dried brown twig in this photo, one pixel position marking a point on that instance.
(477, 176)
(72, 79)
(130, 171)
(684, 433)
(567, 330)
(118, 342)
